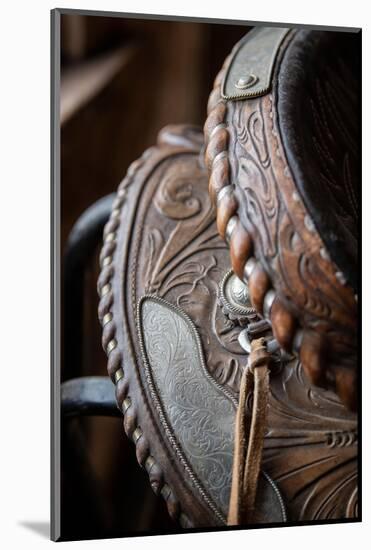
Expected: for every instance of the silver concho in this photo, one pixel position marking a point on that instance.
(233, 296)
(196, 412)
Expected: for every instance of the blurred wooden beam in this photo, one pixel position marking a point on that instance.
(80, 83)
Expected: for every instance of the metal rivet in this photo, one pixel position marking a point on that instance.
(118, 375)
(107, 318)
(268, 301)
(248, 269)
(105, 289)
(137, 434)
(149, 463)
(111, 346)
(126, 404)
(246, 81)
(115, 213)
(295, 197)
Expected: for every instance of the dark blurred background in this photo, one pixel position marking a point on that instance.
(122, 80)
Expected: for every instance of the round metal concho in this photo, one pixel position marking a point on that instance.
(234, 299)
(246, 81)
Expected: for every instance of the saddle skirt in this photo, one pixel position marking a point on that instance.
(171, 313)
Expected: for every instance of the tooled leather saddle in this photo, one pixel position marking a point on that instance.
(228, 291)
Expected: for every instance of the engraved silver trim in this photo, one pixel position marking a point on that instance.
(160, 411)
(278, 494)
(227, 304)
(157, 402)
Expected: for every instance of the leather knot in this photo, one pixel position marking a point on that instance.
(259, 355)
(249, 435)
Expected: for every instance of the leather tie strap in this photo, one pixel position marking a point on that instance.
(249, 435)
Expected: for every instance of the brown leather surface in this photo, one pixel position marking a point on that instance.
(315, 308)
(162, 239)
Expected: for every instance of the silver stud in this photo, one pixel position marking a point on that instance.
(247, 81)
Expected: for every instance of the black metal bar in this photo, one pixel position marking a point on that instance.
(89, 396)
(84, 237)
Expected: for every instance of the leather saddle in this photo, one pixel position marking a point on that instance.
(246, 231)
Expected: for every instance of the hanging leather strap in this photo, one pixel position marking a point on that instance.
(249, 435)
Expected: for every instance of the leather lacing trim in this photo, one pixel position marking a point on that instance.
(249, 435)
